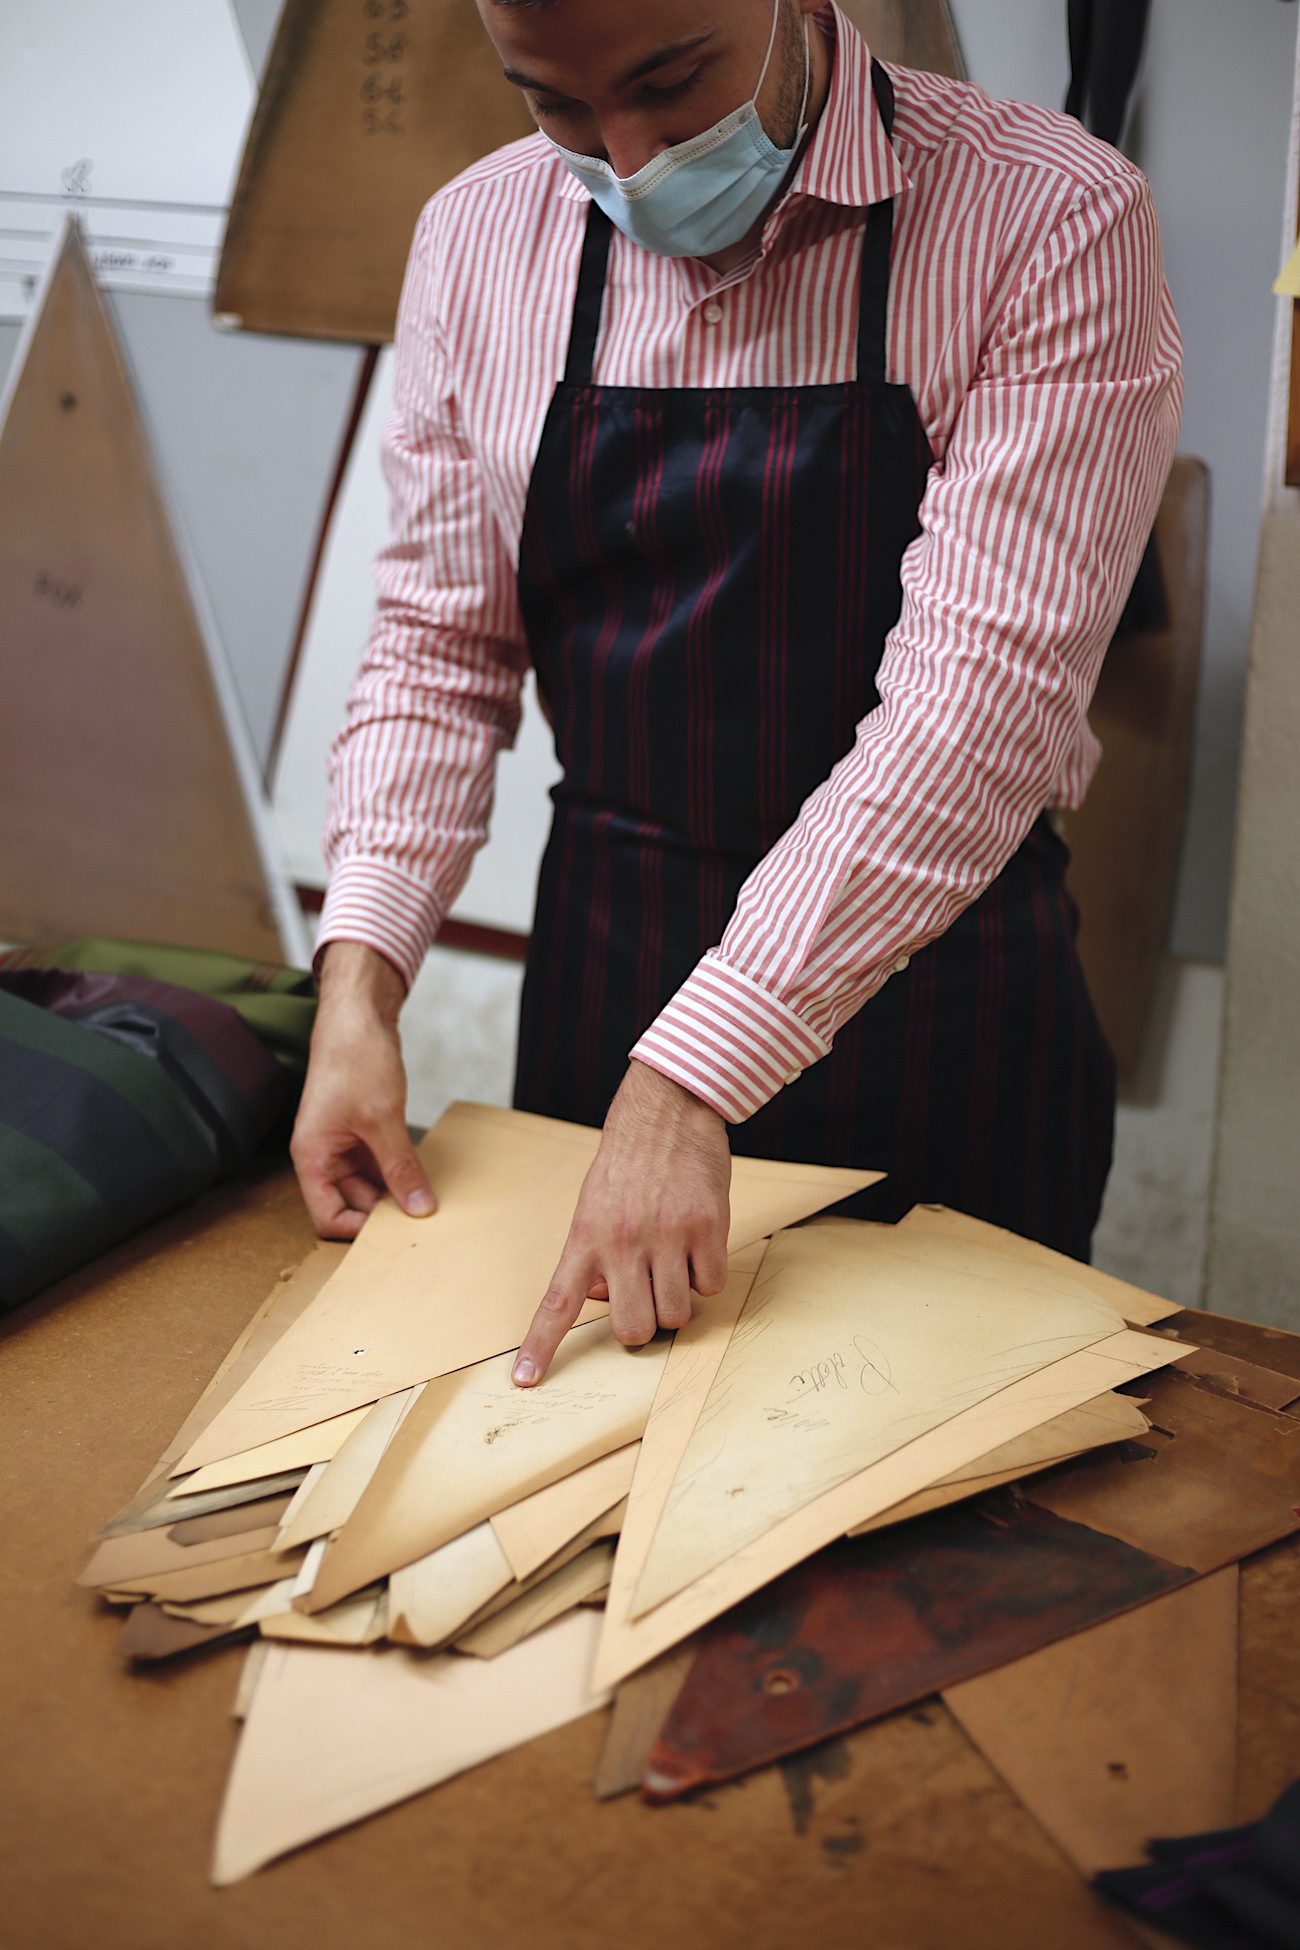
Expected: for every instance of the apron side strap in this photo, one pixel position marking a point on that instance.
(877, 242)
(590, 298)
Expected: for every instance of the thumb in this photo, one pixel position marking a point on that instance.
(403, 1173)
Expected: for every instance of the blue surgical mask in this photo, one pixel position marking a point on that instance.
(703, 195)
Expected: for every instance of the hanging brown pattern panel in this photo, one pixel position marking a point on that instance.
(1127, 836)
(121, 809)
(367, 107)
(913, 33)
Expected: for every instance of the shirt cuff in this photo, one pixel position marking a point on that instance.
(728, 1041)
(376, 903)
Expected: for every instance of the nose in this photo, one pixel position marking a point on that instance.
(629, 143)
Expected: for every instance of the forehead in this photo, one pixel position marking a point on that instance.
(561, 39)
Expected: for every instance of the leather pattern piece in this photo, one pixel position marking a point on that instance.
(873, 1623)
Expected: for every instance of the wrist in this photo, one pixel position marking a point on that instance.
(354, 976)
(649, 1089)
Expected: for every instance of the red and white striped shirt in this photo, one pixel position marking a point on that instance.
(1028, 315)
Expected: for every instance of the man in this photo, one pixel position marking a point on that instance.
(801, 422)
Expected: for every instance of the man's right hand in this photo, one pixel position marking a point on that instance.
(350, 1143)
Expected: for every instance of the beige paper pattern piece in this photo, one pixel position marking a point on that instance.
(627, 1644)
(334, 1735)
(854, 1341)
(1111, 1418)
(335, 1495)
(1131, 1303)
(147, 1553)
(444, 1293)
(248, 1676)
(238, 1608)
(474, 1444)
(1122, 1732)
(214, 1580)
(430, 1600)
(318, 1444)
(584, 1577)
(357, 1621)
(533, 1530)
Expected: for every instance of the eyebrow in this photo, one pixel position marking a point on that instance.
(659, 59)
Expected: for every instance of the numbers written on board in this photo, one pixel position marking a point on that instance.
(384, 53)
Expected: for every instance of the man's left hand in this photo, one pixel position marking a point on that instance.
(650, 1225)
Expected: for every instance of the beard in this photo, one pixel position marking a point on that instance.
(793, 58)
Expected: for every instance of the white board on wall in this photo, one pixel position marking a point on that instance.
(503, 881)
(134, 115)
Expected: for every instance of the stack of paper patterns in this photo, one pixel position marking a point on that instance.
(438, 1566)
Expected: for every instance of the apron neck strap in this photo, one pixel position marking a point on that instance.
(877, 241)
(873, 298)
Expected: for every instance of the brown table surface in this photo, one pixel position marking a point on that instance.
(897, 1838)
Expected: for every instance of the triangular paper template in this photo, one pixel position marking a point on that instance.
(365, 111)
(123, 811)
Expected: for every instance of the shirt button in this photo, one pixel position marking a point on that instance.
(712, 314)
(901, 964)
(794, 1076)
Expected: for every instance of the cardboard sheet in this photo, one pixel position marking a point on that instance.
(855, 1340)
(474, 1444)
(444, 1293)
(627, 1643)
(320, 1443)
(1125, 1731)
(332, 1736)
(533, 1530)
(430, 1600)
(584, 1577)
(1131, 1303)
(1111, 1418)
(335, 1494)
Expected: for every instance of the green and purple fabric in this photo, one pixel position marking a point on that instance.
(122, 1095)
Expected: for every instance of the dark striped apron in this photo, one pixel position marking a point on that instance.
(707, 578)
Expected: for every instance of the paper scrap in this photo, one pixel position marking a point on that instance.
(318, 1444)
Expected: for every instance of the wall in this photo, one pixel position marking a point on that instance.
(1254, 1260)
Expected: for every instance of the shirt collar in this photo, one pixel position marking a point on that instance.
(839, 165)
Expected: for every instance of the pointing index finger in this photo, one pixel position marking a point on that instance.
(561, 1304)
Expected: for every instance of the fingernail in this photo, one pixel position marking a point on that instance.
(419, 1205)
(523, 1372)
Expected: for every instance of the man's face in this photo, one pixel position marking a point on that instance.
(627, 79)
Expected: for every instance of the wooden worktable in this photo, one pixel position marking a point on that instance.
(898, 1838)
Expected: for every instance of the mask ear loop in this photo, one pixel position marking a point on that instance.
(767, 58)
